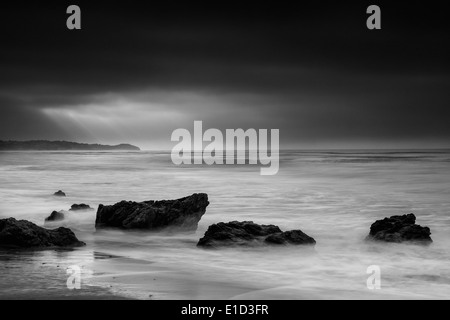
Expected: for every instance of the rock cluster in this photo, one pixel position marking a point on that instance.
(247, 233)
(184, 215)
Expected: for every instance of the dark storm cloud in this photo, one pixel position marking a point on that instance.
(315, 72)
(25, 121)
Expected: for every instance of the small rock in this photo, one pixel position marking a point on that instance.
(55, 216)
(399, 229)
(81, 206)
(59, 193)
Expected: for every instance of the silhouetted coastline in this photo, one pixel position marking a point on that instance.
(46, 145)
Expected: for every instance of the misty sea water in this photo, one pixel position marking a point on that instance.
(333, 196)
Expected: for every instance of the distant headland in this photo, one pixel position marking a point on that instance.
(46, 145)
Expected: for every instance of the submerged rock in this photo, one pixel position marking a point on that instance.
(81, 206)
(59, 193)
(246, 233)
(181, 214)
(55, 216)
(399, 229)
(25, 234)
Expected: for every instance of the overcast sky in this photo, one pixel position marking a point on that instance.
(135, 73)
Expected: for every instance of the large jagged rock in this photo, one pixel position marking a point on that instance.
(247, 233)
(181, 214)
(25, 234)
(81, 206)
(55, 216)
(399, 229)
(59, 193)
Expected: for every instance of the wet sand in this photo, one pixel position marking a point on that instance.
(148, 281)
(41, 275)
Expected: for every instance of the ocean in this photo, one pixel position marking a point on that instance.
(333, 196)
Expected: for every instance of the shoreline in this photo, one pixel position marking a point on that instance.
(41, 275)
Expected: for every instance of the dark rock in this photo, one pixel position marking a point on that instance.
(246, 233)
(182, 214)
(81, 206)
(399, 229)
(290, 237)
(59, 194)
(25, 234)
(55, 216)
